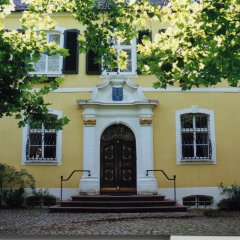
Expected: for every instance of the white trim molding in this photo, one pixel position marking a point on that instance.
(179, 90)
(58, 145)
(211, 126)
(200, 90)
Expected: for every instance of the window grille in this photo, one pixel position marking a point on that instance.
(198, 201)
(195, 137)
(41, 144)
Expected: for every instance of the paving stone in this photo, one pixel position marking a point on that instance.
(28, 222)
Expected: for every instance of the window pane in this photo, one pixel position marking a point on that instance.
(205, 201)
(50, 139)
(35, 152)
(50, 145)
(187, 138)
(53, 63)
(50, 152)
(40, 65)
(202, 138)
(35, 139)
(187, 121)
(35, 146)
(54, 38)
(202, 151)
(129, 61)
(49, 63)
(187, 151)
(201, 121)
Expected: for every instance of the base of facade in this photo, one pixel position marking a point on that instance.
(214, 192)
(147, 185)
(92, 187)
(89, 185)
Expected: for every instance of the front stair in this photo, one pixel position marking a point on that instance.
(118, 204)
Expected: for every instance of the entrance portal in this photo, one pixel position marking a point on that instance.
(118, 160)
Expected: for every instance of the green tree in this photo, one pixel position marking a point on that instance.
(18, 52)
(199, 48)
(12, 184)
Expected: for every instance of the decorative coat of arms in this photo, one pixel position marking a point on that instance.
(117, 93)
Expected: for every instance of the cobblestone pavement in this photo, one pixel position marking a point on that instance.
(30, 222)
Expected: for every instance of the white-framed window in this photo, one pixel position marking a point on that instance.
(195, 136)
(51, 65)
(130, 48)
(41, 145)
(198, 201)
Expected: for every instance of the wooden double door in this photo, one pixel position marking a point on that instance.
(118, 160)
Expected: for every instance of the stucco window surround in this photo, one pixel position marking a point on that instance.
(195, 111)
(102, 111)
(51, 65)
(54, 143)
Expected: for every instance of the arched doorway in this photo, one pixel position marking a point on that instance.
(117, 160)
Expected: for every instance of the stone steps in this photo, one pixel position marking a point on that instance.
(118, 204)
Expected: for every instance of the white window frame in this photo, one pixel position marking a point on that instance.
(58, 160)
(195, 110)
(60, 31)
(133, 48)
(196, 202)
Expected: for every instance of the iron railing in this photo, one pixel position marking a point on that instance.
(171, 179)
(66, 179)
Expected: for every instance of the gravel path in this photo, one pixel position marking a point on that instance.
(40, 222)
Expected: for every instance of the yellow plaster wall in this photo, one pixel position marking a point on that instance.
(227, 116)
(48, 176)
(227, 129)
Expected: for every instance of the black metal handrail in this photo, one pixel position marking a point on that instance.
(66, 179)
(171, 179)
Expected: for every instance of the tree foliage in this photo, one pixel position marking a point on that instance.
(18, 52)
(232, 202)
(12, 178)
(199, 48)
(12, 184)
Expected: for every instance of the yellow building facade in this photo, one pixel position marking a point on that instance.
(120, 127)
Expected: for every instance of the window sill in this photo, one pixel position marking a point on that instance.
(197, 161)
(32, 74)
(40, 162)
(133, 75)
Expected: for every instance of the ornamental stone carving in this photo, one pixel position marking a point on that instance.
(145, 121)
(89, 121)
